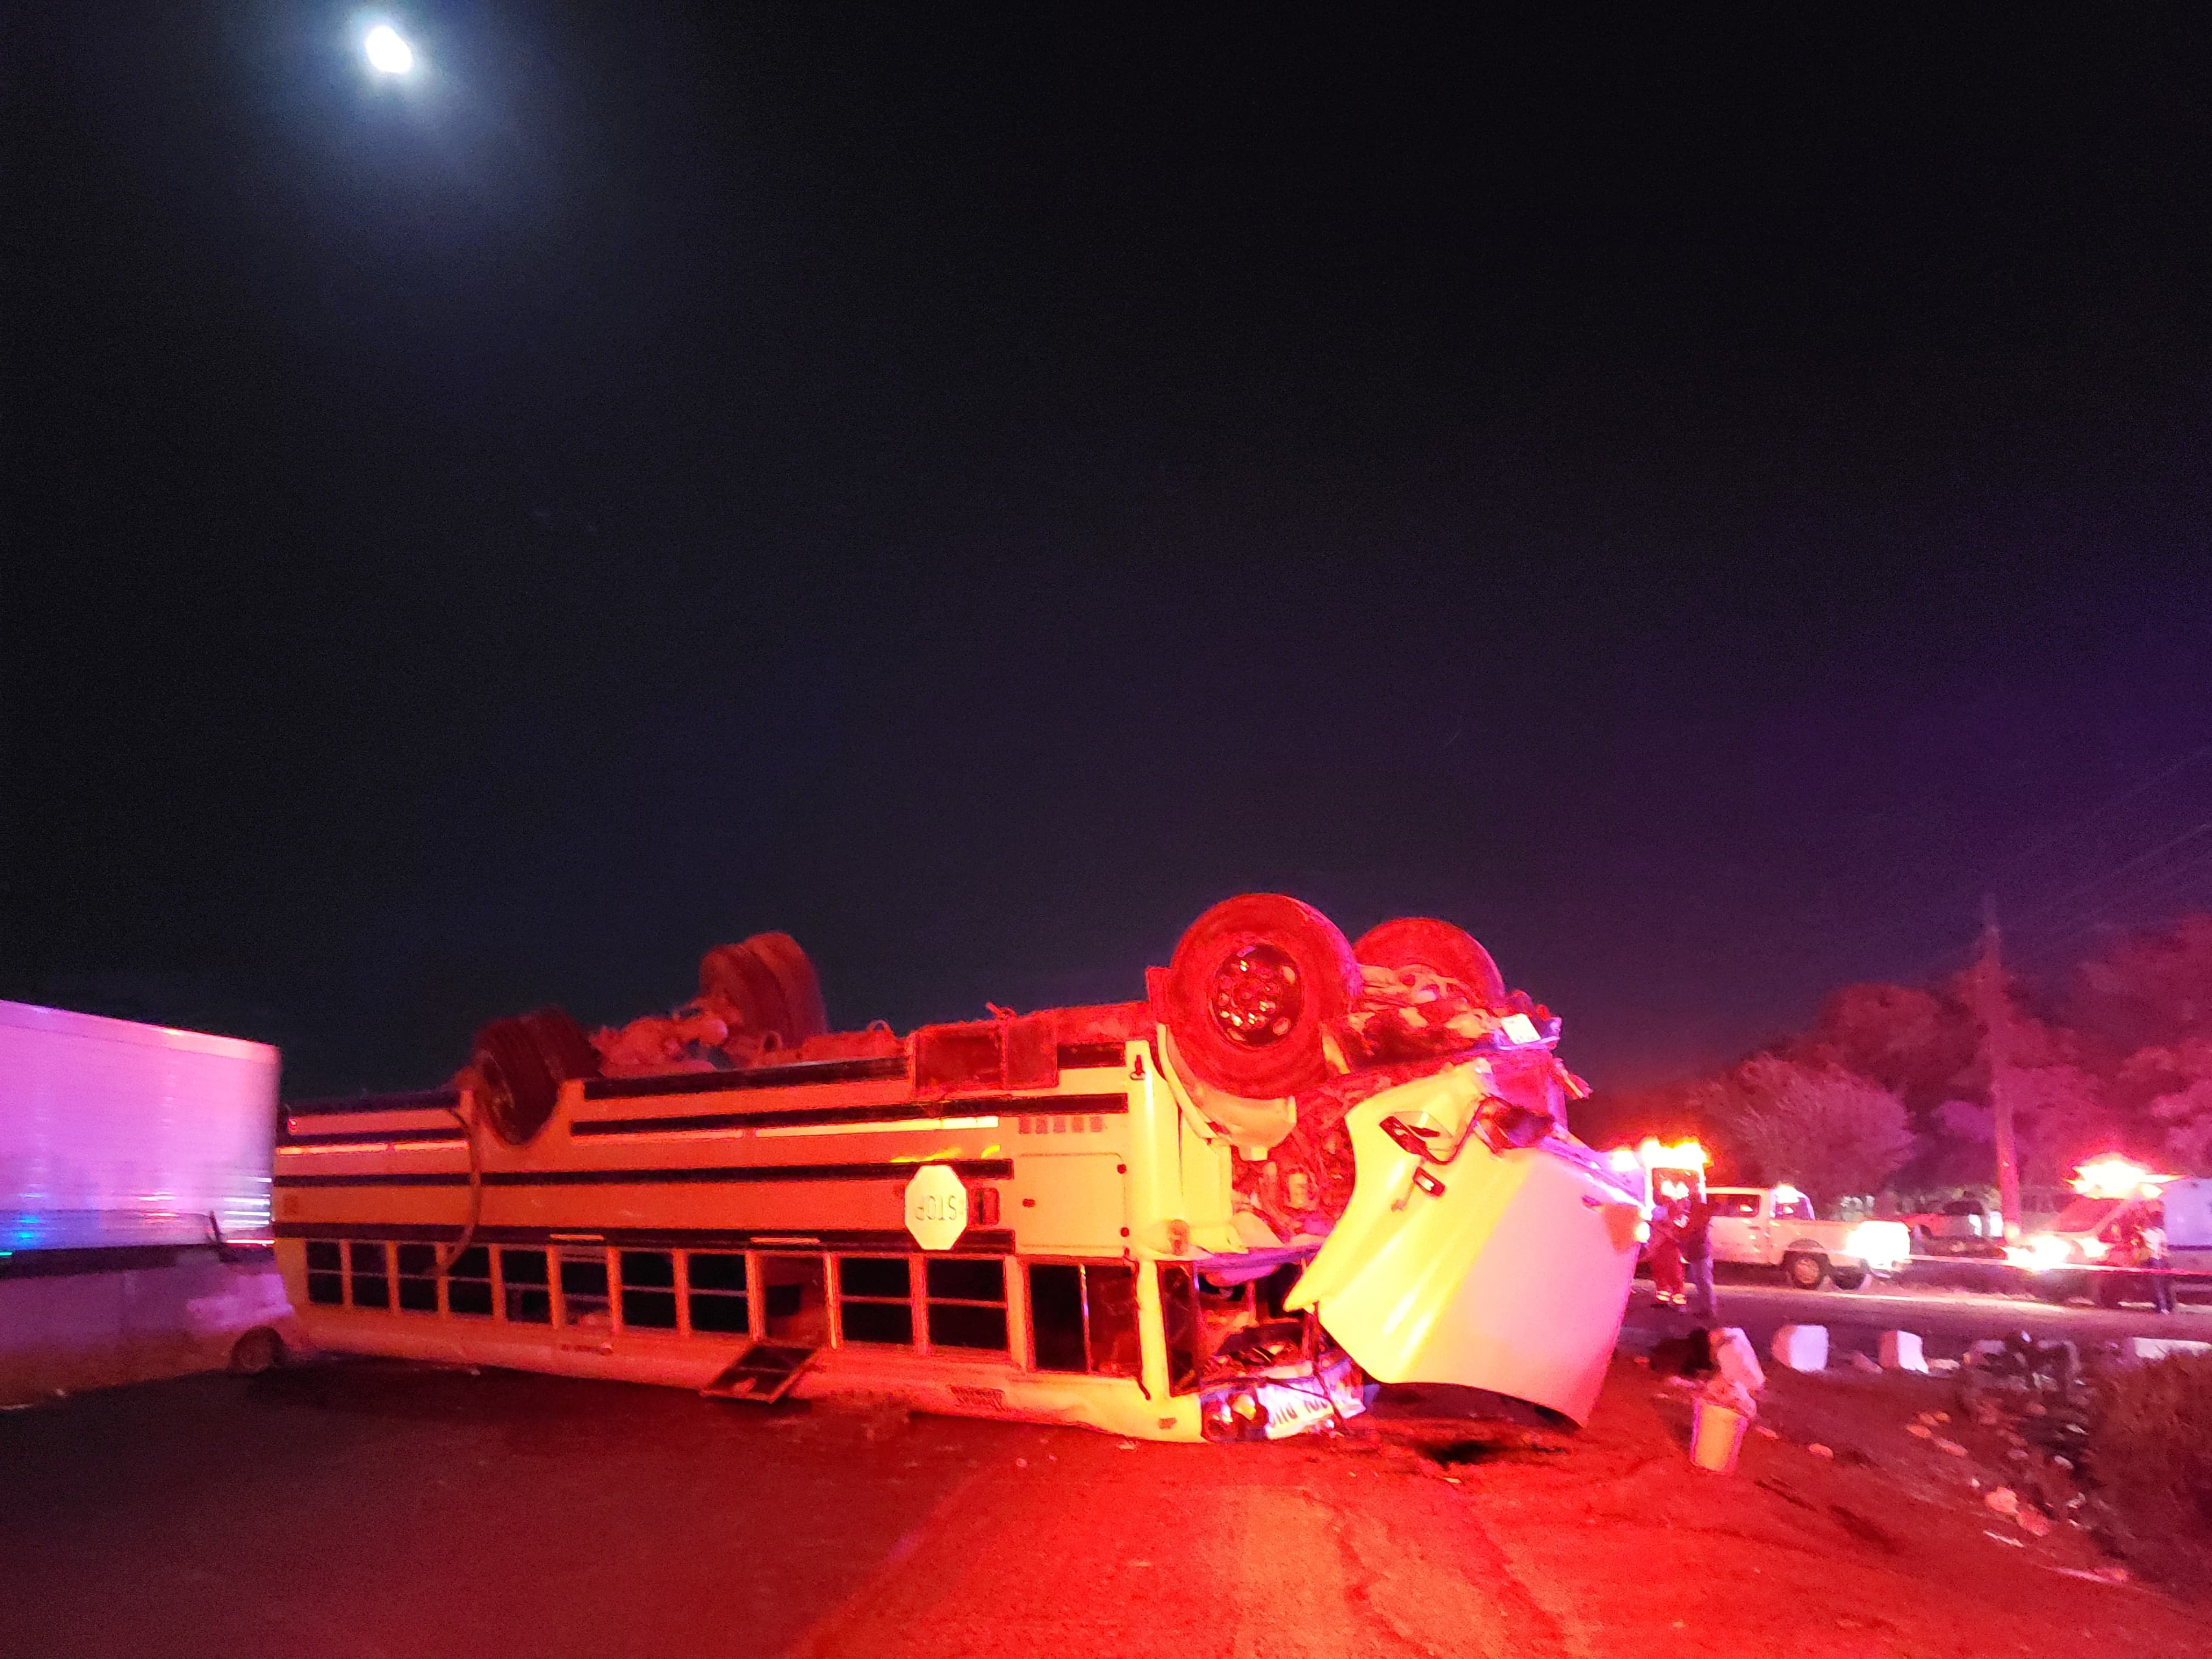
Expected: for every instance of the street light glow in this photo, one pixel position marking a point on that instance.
(387, 50)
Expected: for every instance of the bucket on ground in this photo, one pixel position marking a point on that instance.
(1716, 1435)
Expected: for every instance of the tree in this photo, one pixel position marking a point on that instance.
(1913, 1042)
(1824, 1130)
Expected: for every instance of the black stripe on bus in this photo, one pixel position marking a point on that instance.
(801, 1117)
(1074, 1056)
(798, 1074)
(973, 1169)
(891, 1242)
(424, 1100)
(343, 1139)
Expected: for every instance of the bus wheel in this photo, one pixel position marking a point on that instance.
(516, 1087)
(1425, 942)
(770, 983)
(259, 1350)
(804, 1014)
(1253, 985)
(569, 1053)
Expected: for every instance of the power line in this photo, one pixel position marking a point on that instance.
(2058, 833)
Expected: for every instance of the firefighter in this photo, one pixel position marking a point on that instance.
(1666, 1242)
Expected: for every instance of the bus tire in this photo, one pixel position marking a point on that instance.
(1254, 986)
(569, 1053)
(1805, 1268)
(257, 1350)
(804, 1014)
(516, 1088)
(1425, 942)
(739, 976)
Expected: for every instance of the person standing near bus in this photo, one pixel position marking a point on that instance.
(2150, 1257)
(1697, 1247)
(1666, 1243)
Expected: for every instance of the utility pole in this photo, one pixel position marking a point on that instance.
(1993, 1024)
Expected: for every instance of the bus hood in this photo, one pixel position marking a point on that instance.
(1506, 1270)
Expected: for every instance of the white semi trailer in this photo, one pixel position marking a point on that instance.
(135, 1229)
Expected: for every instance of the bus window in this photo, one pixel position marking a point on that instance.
(584, 1289)
(1056, 1316)
(522, 1275)
(875, 1299)
(1083, 1317)
(325, 1272)
(418, 1278)
(1179, 1319)
(967, 1301)
(468, 1284)
(372, 1284)
(648, 1290)
(1109, 1302)
(798, 1305)
(717, 1293)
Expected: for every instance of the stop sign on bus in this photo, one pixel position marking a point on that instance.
(936, 1208)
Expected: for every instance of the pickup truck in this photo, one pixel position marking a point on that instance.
(1774, 1227)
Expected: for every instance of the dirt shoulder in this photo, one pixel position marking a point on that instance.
(1881, 1542)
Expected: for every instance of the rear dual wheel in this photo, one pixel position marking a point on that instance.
(1253, 987)
(520, 1064)
(1425, 942)
(772, 985)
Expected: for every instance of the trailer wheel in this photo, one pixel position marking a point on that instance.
(257, 1350)
(1425, 942)
(1806, 1269)
(1253, 985)
(516, 1087)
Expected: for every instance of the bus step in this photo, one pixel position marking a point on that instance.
(763, 1374)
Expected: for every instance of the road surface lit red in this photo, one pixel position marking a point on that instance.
(369, 1509)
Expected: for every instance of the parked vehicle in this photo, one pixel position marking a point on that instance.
(135, 1238)
(2074, 1255)
(1775, 1227)
(1965, 1228)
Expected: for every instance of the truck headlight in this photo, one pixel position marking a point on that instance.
(2042, 1252)
(1881, 1244)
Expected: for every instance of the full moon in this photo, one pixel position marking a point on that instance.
(387, 50)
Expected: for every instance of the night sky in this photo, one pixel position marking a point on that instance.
(1697, 510)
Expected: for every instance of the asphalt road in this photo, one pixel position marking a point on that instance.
(1946, 1317)
(366, 1510)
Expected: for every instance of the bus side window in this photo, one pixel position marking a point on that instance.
(1056, 1316)
(1083, 1317)
(717, 1293)
(522, 1275)
(371, 1282)
(468, 1286)
(584, 1289)
(648, 1290)
(1180, 1320)
(418, 1278)
(325, 1272)
(875, 1299)
(967, 1301)
(1109, 1295)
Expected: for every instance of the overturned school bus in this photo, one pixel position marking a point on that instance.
(1296, 1166)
